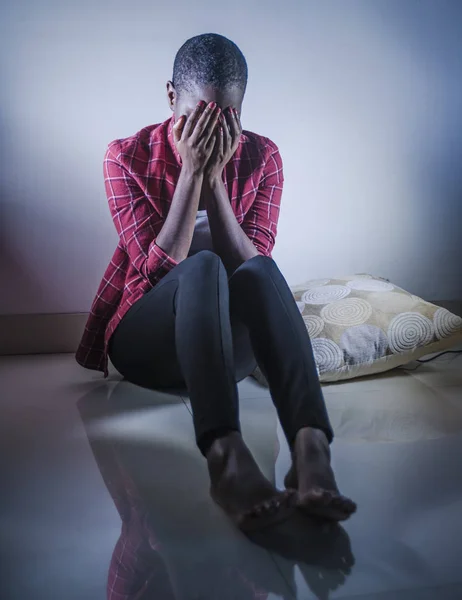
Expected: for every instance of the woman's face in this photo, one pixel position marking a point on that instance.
(185, 103)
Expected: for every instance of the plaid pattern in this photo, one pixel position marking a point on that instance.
(140, 174)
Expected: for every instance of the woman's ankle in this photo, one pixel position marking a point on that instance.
(218, 438)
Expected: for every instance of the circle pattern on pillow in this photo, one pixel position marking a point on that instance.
(327, 354)
(325, 294)
(352, 311)
(370, 285)
(408, 331)
(314, 325)
(391, 302)
(363, 344)
(446, 323)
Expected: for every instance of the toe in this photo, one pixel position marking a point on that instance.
(350, 505)
(338, 502)
(275, 504)
(288, 498)
(317, 497)
(264, 513)
(346, 505)
(267, 506)
(343, 507)
(327, 504)
(327, 497)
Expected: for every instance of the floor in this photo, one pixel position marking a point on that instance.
(82, 455)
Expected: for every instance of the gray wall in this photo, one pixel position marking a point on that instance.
(364, 99)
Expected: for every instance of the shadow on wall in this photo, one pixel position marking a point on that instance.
(19, 277)
(430, 32)
(430, 29)
(43, 258)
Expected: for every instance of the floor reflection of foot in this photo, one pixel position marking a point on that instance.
(241, 489)
(321, 551)
(312, 476)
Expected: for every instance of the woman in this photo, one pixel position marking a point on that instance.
(192, 297)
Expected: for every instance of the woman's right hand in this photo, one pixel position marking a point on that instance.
(194, 137)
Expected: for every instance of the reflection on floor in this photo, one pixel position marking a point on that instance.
(105, 495)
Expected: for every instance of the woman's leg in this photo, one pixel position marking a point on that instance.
(180, 331)
(179, 334)
(261, 298)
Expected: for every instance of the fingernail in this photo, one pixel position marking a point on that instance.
(212, 104)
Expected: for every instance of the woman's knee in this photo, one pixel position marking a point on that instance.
(205, 266)
(257, 266)
(205, 258)
(258, 275)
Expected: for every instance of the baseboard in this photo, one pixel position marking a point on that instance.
(41, 334)
(61, 333)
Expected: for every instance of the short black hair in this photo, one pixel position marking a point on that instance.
(209, 59)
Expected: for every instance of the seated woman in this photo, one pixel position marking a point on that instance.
(192, 296)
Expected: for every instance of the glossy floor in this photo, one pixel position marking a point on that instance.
(82, 455)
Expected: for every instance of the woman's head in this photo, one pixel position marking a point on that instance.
(207, 67)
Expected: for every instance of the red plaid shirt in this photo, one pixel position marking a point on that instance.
(140, 174)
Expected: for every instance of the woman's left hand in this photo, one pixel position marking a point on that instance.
(227, 136)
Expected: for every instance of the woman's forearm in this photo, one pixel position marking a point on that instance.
(229, 240)
(176, 234)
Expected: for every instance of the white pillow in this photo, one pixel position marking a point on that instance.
(361, 324)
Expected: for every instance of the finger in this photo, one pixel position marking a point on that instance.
(211, 127)
(238, 120)
(235, 125)
(239, 130)
(178, 128)
(193, 117)
(212, 145)
(223, 121)
(226, 136)
(230, 125)
(233, 132)
(206, 122)
(180, 123)
(221, 142)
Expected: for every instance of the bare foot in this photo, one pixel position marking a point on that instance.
(241, 489)
(312, 475)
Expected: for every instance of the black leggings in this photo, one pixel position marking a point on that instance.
(198, 329)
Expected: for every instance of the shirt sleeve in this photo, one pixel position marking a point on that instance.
(260, 223)
(136, 220)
